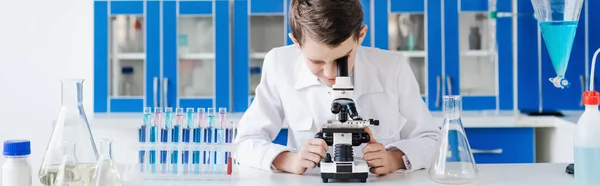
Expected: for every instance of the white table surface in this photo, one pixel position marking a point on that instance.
(489, 175)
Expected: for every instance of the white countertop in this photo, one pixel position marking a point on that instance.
(471, 119)
(489, 175)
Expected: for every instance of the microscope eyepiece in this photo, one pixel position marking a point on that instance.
(342, 66)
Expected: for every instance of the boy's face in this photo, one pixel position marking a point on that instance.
(320, 58)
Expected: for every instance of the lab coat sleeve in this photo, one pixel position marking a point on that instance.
(261, 122)
(419, 135)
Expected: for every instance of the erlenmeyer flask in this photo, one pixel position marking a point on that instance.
(106, 170)
(68, 173)
(454, 163)
(71, 125)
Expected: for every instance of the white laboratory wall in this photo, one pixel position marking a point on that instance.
(41, 42)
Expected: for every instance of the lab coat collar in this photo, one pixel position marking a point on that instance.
(365, 78)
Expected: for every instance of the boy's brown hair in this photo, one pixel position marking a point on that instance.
(327, 21)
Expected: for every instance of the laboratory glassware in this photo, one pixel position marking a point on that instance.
(70, 125)
(69, 172)
(454, 162)
(474, 39)
(16, 169)
(558, 20)
(106, 173)
(586, 140)
(128, 82)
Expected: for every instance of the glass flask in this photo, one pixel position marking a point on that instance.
(454, 163)
(71, 125)
(68, 172)
(106, 170)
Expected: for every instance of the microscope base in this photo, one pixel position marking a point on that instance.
(362, 177)
(346, 171)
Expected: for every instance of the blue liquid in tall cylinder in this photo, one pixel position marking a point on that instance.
(559, 36)
(587, 166)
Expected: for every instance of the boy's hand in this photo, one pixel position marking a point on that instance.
(379, 159)
(309, 156)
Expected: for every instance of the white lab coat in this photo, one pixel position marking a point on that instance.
(289, 94)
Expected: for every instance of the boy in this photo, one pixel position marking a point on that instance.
(295, 90)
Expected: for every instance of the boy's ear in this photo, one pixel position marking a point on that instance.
(294, 40)
(362, 34)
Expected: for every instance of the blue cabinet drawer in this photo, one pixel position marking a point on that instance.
(502, 145)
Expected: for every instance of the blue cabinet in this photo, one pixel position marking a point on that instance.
(259, 26)
(478, 55)
(161, 54)
(126, 55)
(502, 145)
(411, 28)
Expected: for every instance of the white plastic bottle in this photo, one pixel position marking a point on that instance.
(587, 142)
(16, 170)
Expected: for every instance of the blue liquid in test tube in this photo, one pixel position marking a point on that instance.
(142, 133)
(175, 139)
(189, 123)
(197, 139)
(219, 160)
(210, 132)
(154, 136)
(164, 139)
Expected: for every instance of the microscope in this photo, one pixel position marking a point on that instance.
(344, 132)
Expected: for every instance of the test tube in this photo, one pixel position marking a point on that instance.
(197, 139)
(142, 133)
(164, 138)
(175, 139)
(154, 136)
(220, 155)
(189, 123)
(210, 132)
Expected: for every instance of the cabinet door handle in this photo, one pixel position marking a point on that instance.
(438, 92)
(493, 151)
(449, 84)
(155, 89)
(582, 80)
(165, 83)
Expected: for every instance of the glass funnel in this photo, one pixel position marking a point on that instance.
(70, 125)
(106, 170)
(454, 163)
(68, 172)
(558, 21)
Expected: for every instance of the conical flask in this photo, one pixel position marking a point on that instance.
(71, 125)
(558, 20)
(454, 163)
(106, 170)
(68, 172)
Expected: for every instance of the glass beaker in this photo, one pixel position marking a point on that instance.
(70, 125)
(106, 170)
(454, 163)
(68, 172)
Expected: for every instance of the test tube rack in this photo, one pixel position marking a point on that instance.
(186, 146)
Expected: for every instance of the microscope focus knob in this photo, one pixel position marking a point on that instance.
(366, 138)
(319, 135)
(328, 158)
(374, 122)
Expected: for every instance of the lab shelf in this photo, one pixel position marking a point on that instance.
(258, 55)
(198, 56)
(477, 53)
